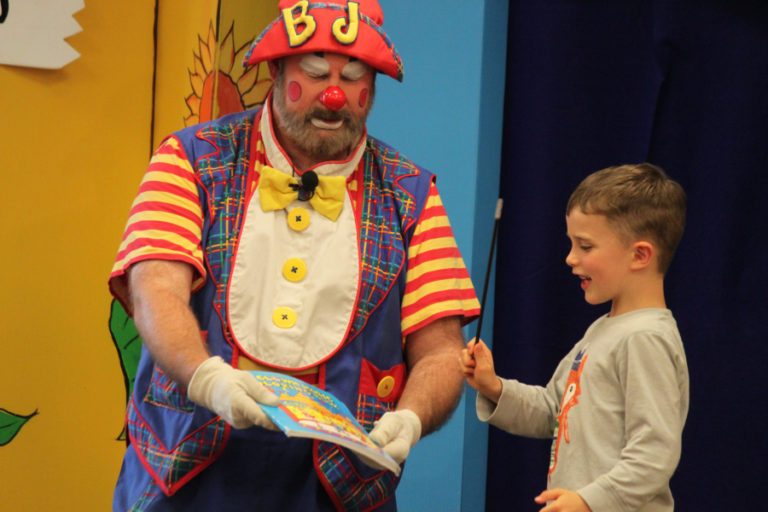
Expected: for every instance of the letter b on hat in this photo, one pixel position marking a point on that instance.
(296, 16)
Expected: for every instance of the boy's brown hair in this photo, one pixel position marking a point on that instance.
(640, 201)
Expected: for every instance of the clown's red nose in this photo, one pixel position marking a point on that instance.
(333, 98)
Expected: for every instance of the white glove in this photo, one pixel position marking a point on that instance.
(233, 394)
(396, 432)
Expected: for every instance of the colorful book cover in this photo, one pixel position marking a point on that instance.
(308, 411)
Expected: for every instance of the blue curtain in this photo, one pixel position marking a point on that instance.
(682, 84)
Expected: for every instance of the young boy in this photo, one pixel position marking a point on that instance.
(617, 403)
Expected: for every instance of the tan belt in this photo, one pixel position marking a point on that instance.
(244, 363)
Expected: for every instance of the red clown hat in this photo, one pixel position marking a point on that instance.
(340, 26)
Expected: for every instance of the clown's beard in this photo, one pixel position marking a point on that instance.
(316, 143)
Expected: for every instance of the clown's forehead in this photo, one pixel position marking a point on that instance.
(317, 64)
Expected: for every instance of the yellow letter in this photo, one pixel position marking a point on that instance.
(291, 22)
(350, 35)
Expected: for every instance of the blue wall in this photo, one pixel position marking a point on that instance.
(447, 116)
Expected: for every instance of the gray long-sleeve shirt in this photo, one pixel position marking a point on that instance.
(615, 407)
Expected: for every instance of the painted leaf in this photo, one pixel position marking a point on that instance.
(10, 424)
(128, 344)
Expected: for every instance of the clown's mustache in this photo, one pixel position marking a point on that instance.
(327, 115)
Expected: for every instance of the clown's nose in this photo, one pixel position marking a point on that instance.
(333, 98)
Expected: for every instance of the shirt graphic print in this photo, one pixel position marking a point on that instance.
(570, 399)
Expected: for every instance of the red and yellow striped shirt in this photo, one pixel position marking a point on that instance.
(165, 222)
(437, 281)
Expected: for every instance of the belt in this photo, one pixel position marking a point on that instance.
(307, 374)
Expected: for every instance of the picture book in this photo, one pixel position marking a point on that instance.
(308, 411)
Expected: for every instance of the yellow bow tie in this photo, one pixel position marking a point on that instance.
(278, 189)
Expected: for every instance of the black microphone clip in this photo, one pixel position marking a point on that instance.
(309, 181)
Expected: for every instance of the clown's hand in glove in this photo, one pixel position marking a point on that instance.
(233, 394)
(396, 432)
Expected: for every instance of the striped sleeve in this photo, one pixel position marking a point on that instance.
(437, 281)
(165, 221)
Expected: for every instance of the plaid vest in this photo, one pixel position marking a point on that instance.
(174, 438)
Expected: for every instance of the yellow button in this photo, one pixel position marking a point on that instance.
(285, 318)
(385, 387)
(298, 218)
(294, 270)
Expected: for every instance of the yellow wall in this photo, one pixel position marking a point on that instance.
(74, 144)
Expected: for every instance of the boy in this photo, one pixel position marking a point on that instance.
(617, 403)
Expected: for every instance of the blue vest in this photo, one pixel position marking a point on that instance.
(175, 439)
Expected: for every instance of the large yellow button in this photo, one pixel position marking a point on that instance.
(298, 218)
(294, 270)
(285, 318)
(385, 387)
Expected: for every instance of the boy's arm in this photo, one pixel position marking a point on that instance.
(652, 374)
(521, 409)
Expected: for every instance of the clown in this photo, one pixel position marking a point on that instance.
(286, 239)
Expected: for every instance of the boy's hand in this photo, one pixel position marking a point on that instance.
(477, 364)
(562, 501)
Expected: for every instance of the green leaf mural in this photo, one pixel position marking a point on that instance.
(10, 424)
(128, 344)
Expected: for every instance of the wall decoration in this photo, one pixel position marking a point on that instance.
(126, 339)
(11, 423)
(220, 84)
(32, 32)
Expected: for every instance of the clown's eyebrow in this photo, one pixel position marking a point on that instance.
(354, 69)
(315, 64)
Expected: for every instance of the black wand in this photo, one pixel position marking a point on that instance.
(497, 216)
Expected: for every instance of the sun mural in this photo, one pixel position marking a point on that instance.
(220, 83)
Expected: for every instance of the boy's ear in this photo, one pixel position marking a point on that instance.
(643, 253)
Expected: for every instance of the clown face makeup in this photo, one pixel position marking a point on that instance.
(321, 103)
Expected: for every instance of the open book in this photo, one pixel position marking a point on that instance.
(308, 411)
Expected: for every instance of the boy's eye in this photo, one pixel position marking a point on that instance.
(585, 247)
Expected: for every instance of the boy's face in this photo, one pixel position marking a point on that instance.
(598, 257)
